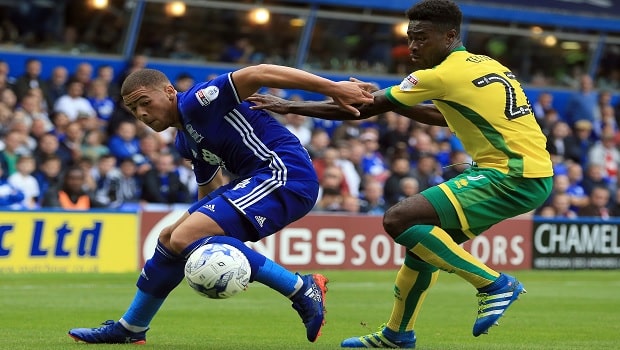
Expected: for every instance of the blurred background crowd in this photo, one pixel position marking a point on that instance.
(67, 142)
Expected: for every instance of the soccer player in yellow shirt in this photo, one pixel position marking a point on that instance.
(482, 102)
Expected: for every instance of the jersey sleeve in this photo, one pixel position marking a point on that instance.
(212, 99)
(417, 87)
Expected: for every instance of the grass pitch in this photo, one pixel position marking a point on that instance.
(562, 310)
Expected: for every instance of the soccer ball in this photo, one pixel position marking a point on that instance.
(217, 271)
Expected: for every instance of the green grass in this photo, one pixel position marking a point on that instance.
(562, 310)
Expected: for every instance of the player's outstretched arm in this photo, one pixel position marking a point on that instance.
(344, 93)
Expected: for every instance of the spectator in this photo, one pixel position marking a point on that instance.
(348, 130)
(188, 178)
(427, 172)
(372, 198)
(399, 169)
(73, 103)
(129, 183)
(602, 109)
(24, 181)
(124, 143)
(396, 135)
(319, 141)
(71, 144)
(10, 196)
(594, 177)
(332, 188)
(331, 158)
(105, 73)
(373, 163)
(547, 122)
(543, 104)
(578, 195)
(83, 74)
(49, 146)
(408, 187)
(8, 98)
(39, 128)
(561, 144)
(582, 103)
(71, 196)
(107, 177)
(60, 121)
(49, 176)
(459, 161)
(606, 154)
(297, 124)
(56, 85)
(30, 79)
(580, 144)
(88, 166)
(331, 199)
(21, 125)
(150, 148)
(350, 204)
(162, 183)
(13, 147)
(183, 82)
(547, 211)
(6, 115)
(137, 62)
(94, 146)
(241, 51)
(30, 107)
(599, 201)
(561, 206)
(101, 102)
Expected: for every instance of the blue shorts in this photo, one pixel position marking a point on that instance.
(249, 211)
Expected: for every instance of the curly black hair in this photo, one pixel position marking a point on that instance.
(443, 13)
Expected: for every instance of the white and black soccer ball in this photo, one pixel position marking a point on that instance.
(217, 271)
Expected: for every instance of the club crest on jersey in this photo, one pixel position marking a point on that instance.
(408, 83)
(207, 95)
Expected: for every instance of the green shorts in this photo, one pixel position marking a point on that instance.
(470, 203)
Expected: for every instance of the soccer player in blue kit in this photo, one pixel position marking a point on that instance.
(276, 184)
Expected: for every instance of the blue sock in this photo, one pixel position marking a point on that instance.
(264, 270)
(160, 275)
(141, 311)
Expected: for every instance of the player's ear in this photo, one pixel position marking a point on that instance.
(170, 92)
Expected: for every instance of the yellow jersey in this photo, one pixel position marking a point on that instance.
(486, 108)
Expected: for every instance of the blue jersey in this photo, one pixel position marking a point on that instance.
(222, 131)
(276, 183)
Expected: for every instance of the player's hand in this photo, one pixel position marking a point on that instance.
(350, 93)
(269, 102)
(370, 87)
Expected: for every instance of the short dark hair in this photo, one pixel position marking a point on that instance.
(143, 77)
(443, 13)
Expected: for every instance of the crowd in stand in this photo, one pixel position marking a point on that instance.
(67, 142)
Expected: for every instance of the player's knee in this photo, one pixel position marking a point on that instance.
(164, 235)
(178, 242)
(392, 222)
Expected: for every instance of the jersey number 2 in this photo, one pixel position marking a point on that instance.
(511, 111)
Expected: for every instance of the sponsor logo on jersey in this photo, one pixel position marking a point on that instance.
(260, 220)
(408, 83)
(207, 95)
(210, 207)
(193, 133)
